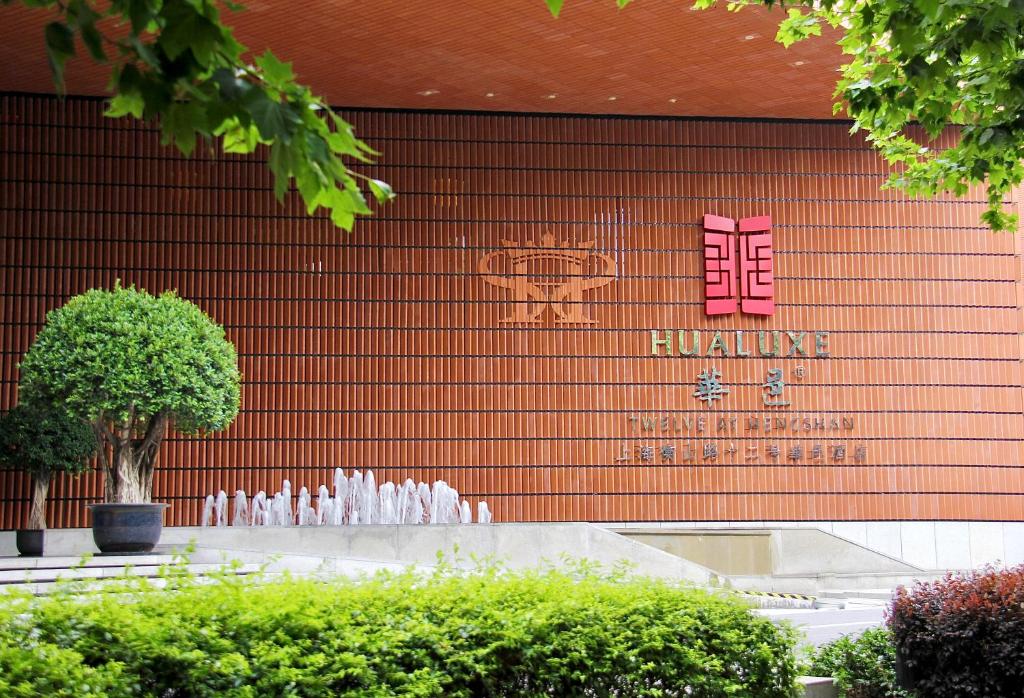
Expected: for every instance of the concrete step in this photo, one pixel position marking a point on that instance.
(52, 574)
(864, 585)
(94, 561)
(830, 602)
(43, 575)
(854, 598)
(40, 588)
(855, 602)
(516, 546)
(40, 575)
(878, 594)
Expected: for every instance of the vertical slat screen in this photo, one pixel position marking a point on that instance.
(384, 349)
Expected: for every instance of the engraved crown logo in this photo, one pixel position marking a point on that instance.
(548, 275)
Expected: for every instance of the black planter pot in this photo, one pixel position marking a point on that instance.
(126, 528)
(29, 541)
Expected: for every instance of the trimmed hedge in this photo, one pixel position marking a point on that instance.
(551, 633)
(864, 666)
(963, 635)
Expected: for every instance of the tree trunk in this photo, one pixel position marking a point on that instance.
(103, 442)
(128, 486)
(37, 515)
(109, 480)
(129, 479)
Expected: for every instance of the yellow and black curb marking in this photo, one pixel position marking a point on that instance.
(775, 595)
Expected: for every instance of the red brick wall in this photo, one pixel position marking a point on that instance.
(385, 349)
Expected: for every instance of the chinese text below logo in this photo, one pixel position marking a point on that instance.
(752, 273)
(548, 275)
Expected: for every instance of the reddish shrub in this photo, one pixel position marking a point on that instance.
(962, 635)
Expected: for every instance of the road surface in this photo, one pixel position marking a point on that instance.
(826, 624)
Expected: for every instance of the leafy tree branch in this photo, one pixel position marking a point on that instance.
(933, 63)
(176, 62)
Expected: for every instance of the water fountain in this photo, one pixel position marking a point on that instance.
(208, 506)
(483, 513)
(357, 500)
(324, 506)
(241, 517)
(280, 510)
(220, 508)
(306, 513)
(260, 512)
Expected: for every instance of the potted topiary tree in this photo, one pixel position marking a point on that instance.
(131, 365)
(42, 441)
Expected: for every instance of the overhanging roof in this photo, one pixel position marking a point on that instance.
(653, 58)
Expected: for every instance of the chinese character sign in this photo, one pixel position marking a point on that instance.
(719, 265)
(774, 386)
(738, 267)
(709, 386)
(756, 280)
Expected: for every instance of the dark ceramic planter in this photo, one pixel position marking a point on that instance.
(127, 528)
(29, 541)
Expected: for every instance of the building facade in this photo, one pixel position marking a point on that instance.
(529, 320)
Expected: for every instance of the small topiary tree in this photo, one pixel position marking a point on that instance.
(131, 364)
(44, 441)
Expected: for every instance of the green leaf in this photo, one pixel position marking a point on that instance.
(343, 217)
(309, 186)
(555, 7)
(123, 104)
(60, 45)
(82, 17)
(182, 122)
(177, 63)
(241, 139)
(140, 15)
(156, 94)
(145, 51)
(232, 87)
(180, 27)
(279, 165)
(796, 27)
(220, 115)
(186, 29)
(205, 42)
(275, 72)
(357, 202)
(93, 41)
(274, 120)
(381, 191)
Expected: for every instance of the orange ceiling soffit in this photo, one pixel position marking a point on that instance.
(651, 58)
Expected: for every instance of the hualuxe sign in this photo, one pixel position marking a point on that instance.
(739, 343)
(739, 273)
(552, 279)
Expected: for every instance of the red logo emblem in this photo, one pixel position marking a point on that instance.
(738, 266)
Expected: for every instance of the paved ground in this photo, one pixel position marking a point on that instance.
(824, 625)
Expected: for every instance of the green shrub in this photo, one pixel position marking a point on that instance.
(493, 633)
(863, 666)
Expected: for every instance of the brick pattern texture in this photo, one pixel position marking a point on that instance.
(385, 348)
